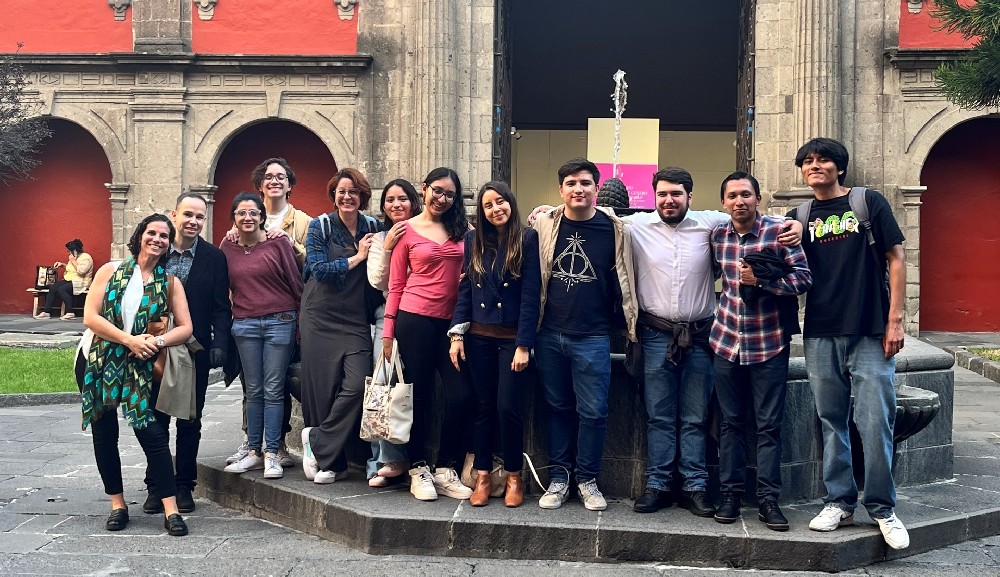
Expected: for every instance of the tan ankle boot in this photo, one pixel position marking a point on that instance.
(514, 495)
(481, 493)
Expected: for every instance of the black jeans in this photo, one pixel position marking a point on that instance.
(423, 346)
(499, 397)
(60, 291)
(188, 431)
(758, 390)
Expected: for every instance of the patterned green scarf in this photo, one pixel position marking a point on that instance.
(113, 376)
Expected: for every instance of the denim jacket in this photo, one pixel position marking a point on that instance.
(500, 298)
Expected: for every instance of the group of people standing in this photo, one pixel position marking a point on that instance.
(468, 302)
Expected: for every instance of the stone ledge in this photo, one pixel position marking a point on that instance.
(975, 363)
(390, 521)
(31, 399)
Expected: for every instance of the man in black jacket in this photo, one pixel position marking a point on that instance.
(202, 269)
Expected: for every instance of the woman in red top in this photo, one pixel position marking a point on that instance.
(423, 288)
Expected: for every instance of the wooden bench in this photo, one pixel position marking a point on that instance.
(41, 294)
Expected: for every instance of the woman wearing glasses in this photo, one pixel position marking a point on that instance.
(423, 287)
(335, 324)
(266, 289)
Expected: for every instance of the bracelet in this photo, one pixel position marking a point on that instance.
(457, 338)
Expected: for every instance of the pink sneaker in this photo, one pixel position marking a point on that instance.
(378, 481)
(390, 470)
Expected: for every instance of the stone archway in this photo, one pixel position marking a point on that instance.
(958, 236)
(308, 156)
(64, 199)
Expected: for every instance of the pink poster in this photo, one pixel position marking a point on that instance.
(638, 180)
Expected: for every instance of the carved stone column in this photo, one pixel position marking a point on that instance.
(911, 230)
(208, 191)
(119, 230)
(435, 89)
(158, 151)
(161, 26)
(817, 105)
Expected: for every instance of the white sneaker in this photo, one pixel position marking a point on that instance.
(283, 457)
(591, 496)
(240, 453)
(831, 517)
(43, 315)
(422, 484)
(894, 532)
(327, 477)
(250, 462)
(310, 466)
(447, 483)
(554, 496)
(272, 466)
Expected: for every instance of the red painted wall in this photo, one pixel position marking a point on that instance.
(921, 30)
(77, 27)
(268, 27)
(305, 152)
(66, 200)
(959, 239)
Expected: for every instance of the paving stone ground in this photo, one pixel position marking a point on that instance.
(52, 511)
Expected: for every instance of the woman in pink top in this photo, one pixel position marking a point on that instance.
(423, 287)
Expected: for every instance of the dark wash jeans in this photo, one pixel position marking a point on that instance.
(576, 375)
(499, 395)
(754, 391)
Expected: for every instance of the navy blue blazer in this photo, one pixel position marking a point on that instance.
(501, 298)
(207, 292)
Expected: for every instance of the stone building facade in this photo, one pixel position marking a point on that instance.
(396, 87)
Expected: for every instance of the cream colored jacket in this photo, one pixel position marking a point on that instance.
(296, 225)
(547, 225)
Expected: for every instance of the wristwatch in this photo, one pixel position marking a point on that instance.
(160, 343)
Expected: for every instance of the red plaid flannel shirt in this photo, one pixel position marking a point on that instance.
(751, 333)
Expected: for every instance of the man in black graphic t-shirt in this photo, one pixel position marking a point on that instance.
(853, 330)
(587, 280)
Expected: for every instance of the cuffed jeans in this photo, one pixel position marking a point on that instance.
(760, 387)
(575, 374)
(668, 390)
(839, 368)
(265, 345)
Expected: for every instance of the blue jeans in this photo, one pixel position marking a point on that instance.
(576, 375)
(840, 367)
(754, 391)
(265, 344)
(382, 451)
(670, 389)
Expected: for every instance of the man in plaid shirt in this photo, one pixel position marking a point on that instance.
(751, 346)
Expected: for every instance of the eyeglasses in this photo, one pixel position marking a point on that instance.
(439, 192)
(278, 177)
(253, 213)
(348, 192)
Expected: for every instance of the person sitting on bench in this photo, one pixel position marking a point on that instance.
(76, 280)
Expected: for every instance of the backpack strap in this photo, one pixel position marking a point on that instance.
(802, 214)
(324, 221)
(858, 199)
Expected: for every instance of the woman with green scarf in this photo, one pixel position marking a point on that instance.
(118, 368)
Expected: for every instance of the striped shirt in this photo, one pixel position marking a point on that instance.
(750, 333)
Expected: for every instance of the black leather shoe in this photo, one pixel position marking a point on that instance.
(729, 508)
(652, 501)
(117, 520)
(175, 526)
(771, 515)
(153, 504)
(185, 500)
(696, 502)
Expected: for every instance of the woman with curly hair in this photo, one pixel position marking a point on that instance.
(117, 369)
(423, 287)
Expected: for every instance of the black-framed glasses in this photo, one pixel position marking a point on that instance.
(348, 192)
(448, 195)
(278, 177)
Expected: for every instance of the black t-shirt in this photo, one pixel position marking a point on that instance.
(850, 292)
(581, 295)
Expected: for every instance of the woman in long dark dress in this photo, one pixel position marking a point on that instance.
(336, 331)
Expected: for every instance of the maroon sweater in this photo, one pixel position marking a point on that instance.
(264, 282)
